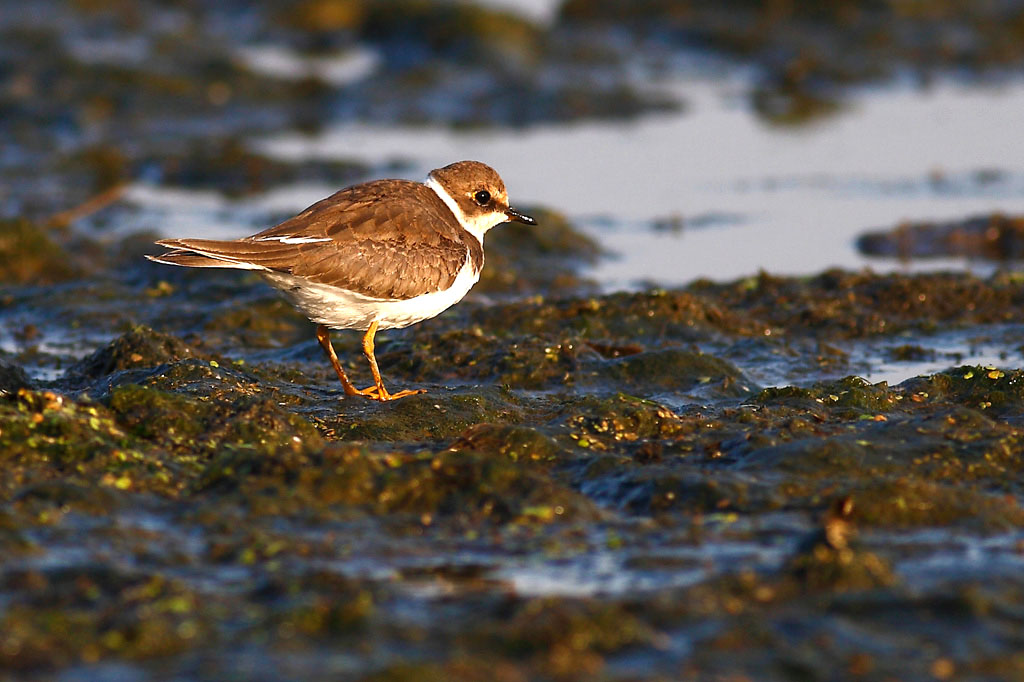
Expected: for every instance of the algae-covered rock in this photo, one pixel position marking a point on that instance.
(69, 615)
(569, 637)
(336, 481)
(852, 395)
(451, 30)
(623, 318)
(12, 379)
(677, 371)
(66, 495)
(51, 427)
(987, 388)
(913, 503)
(467, 484)
(951, 445)
(812, 455)
(519, 443)
(476, 484)
(466, 32)
(602, 422)
(13, 540)
(830, 558)
(139, 348)
(235, 169)
(77, 445)
(266, 322)
(996, 237)
(661, 488)
(433, 416)
(209, 422)
(28, 255)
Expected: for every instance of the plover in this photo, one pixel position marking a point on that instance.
(379, 255)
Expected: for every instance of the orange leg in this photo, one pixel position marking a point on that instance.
(323, 335)
(377, 391)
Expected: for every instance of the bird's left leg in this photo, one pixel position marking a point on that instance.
(378, 391)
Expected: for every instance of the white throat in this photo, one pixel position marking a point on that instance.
(477, 225)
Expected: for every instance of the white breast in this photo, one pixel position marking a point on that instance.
(342, 309)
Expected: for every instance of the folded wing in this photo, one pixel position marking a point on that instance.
(389, 239)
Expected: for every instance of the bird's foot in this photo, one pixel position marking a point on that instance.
(382, 394)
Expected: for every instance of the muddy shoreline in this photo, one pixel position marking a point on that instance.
(593, 486)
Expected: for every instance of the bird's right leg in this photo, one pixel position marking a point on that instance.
(323, 335)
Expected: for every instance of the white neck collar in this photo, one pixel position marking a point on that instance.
(476, 226)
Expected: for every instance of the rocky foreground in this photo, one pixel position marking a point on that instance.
(647, 485)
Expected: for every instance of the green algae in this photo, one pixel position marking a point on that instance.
(69, 621)
(199, 423)
(851, 395)
(675, 370)
(475, 485)
(903, 503)
(984, 388)
(138, 348)
(426, 417)
(457, 491)
(45, 436)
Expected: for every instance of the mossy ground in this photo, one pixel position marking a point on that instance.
(180, 493)
(589, 481)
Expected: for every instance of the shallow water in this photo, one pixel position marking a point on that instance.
(710, 192)
(796, 198)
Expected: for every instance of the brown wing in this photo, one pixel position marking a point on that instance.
(387, 239)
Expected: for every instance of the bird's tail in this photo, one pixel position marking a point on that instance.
(201, 253)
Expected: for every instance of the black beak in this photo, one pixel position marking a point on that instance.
(515, 215)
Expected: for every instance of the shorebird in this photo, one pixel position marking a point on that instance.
(384, 254)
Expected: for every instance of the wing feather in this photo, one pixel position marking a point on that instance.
(391, 239)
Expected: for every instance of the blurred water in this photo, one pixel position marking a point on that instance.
(739, 195)
(540, 11)
(802, 195)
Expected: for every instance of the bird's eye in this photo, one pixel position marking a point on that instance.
(482, 197)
